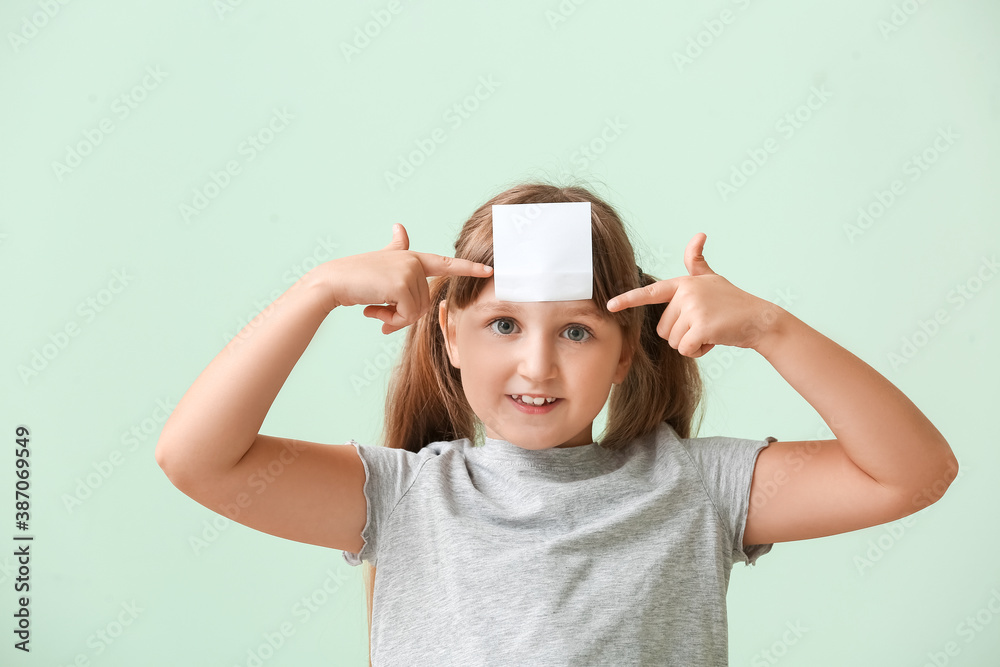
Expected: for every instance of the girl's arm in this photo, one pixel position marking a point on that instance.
(211, 451)
(880, 429)
(218, 419)
(210, 447)
(887, 461)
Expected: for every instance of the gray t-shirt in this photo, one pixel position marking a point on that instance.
(498, 555)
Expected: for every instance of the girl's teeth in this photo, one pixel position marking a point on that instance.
(528, 400)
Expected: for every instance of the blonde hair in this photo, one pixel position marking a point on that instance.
(425, 401)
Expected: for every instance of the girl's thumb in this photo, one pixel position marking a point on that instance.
(399, 238)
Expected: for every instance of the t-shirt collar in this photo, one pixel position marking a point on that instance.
(554, 457)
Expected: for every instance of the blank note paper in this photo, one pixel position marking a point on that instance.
(542, 252)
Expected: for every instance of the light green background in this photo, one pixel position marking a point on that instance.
(319, 191)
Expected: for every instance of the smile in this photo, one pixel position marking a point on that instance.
(532, 400)
(531, 409)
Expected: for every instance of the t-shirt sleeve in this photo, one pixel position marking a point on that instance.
(389, 473)
(727, 466)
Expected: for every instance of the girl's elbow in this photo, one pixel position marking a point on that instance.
(946, 474)
(931, 489)
(950, 469)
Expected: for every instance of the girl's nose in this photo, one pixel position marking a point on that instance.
(538, 360)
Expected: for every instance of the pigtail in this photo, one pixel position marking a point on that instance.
(425, 401)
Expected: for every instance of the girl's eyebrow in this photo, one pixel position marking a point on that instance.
(583, 309)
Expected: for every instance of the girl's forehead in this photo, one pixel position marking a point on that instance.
(488, 303)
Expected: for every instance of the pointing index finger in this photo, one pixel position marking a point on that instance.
(442, 265)
(659, 292)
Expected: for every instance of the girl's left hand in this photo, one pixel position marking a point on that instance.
(704, 309)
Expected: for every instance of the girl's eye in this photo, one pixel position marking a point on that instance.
(506, 332)
(493, 331)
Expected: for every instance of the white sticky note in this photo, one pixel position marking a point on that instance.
(542, 252)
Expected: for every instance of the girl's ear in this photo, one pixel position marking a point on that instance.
(624, 363)
(447, 325)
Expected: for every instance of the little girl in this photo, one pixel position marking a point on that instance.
(505, 533)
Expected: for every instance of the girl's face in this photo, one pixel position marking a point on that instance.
(559, 349)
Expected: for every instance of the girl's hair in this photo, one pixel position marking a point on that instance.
(425, 401)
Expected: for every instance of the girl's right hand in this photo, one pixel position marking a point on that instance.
(396, 276)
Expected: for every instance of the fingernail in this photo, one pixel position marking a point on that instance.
(487, 268)
(612, 303)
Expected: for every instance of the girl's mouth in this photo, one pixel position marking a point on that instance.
(534, 409)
